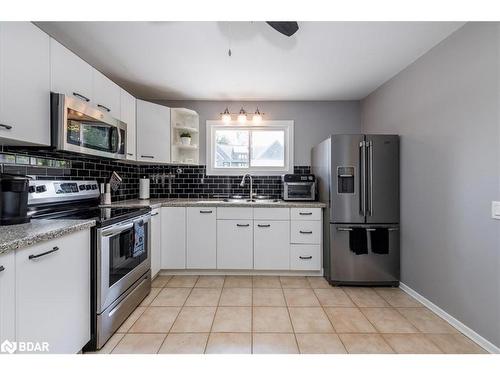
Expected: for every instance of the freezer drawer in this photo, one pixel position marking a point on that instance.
(365, 269)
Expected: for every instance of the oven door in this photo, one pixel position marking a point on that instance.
(79, 127)
(123, 256)
(299, 191)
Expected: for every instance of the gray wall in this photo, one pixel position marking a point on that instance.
(314, 121)
(446, 106)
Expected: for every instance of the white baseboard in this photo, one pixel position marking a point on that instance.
(473, 335)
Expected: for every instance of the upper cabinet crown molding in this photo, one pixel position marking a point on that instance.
(24, 84)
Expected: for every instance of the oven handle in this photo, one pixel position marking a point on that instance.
(120, 228)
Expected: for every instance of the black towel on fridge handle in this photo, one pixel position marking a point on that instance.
(380, 240)
(357, 241)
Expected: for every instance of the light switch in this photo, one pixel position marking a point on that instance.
(495, 210)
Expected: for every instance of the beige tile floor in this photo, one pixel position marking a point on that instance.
(270, 314)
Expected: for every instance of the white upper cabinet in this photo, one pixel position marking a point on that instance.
(127, 115)
(7, 297)
(24, 84)
(106, 94)
(70, 75)
(153, 132)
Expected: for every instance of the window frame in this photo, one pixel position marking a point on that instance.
(286, 125)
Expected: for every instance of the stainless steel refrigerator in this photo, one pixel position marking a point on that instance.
(358, 179)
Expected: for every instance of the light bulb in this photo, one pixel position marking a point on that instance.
(257, 117)
(242, 117)
(226, 116)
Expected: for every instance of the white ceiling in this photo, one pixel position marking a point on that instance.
(189, 60)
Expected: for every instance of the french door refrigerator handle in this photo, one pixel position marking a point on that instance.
(370, 177)
(362, 178)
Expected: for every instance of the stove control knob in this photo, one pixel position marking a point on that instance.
(41, 188)
(88, 187)
(94, 187)
(81, 187)
(31, 189)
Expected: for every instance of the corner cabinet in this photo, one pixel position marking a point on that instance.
(7, 297)
(53, 293)
(153, 132)
(24, 84)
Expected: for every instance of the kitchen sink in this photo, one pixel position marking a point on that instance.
(243, 200)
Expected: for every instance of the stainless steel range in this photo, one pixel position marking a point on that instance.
(120, 249)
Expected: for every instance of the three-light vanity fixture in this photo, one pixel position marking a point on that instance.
(242, 117)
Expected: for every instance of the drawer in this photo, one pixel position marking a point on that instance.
(305, 213)
(278, 213)
(305, 257)
(305, 231)
(235, 213)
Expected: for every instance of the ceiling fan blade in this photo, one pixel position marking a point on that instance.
(285, 28)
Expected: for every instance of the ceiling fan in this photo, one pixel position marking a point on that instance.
(285, 28)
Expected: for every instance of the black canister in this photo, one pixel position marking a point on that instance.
(13, 199)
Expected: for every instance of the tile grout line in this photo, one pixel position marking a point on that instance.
(290, 317)
(213, 319)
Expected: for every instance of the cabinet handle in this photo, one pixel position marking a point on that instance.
(130, 154)
(205, 211)
(305, 258)
(305, 213)
(8, 127)
(104, 107)
(147, 156)
(2, 268)
(154, 214)
(54, 249)
(305, 232)
(80, 96)
(242, 225)
(263, 225)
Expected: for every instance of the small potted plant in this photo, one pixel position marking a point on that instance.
(185, 138)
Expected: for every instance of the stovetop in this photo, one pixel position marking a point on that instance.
(103, 215)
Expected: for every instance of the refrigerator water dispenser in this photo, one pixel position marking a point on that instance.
(345, 178)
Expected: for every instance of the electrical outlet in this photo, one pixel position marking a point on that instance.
(495, 210)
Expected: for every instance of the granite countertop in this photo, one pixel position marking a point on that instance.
(13, 237)
(211, 202)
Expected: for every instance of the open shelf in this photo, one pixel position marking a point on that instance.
(184, 120)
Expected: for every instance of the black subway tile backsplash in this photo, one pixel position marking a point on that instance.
(189, 181)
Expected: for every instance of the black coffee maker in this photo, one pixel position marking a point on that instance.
(13, 199)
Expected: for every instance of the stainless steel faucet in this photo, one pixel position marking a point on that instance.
(242, 183)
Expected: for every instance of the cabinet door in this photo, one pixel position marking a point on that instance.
(271, 245)
(69, 74)
(7, 297)
(105, 94)
(127, 115)
(24, 84)
(234, 244)
(153, 132)
(201, 237)
(173, 238)
(53, 293)
(155, 241)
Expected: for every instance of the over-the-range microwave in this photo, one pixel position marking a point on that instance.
(79, 127)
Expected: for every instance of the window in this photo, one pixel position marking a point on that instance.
(234, 149)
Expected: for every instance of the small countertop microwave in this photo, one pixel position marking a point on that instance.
(297, 187)
(79, 127)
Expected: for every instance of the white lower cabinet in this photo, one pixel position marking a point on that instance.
(235, 244)
(201, 238)
(53, 293)
(155, 241)
(7, 297)
(271, 245)
(305, 257)
(173, 232)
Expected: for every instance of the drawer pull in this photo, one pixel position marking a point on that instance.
(263, 225)
(130, 154)
(80, 96)
(2, 268)
(305, 258)
(305, 232)
(104, 107)
(54, 249)
(156, 213)
(205, 211)
(8, 127)
(147, 156)
(305, 213)
(242, 225)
